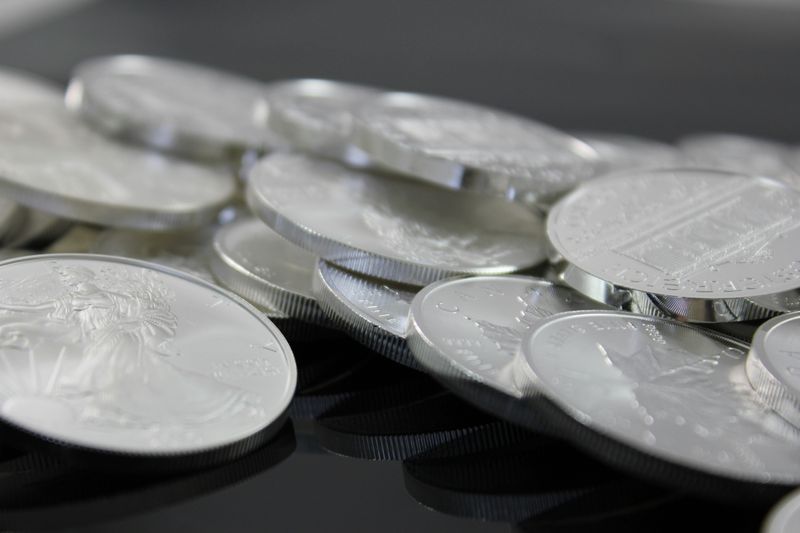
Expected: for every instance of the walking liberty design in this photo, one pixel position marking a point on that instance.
(96, 346)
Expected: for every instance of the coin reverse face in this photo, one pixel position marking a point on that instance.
(388, 227)
(123, 356)
(169, 104)
(663, 388)
(683, 233)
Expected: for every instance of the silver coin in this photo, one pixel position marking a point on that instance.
(317, 116)
(785, 516)
(51, 162)
(24, 88)
(700, 242)
(373, 311)
(663, 388)
(187, 251)
(122, 356)
(264, 268)
(472, 328)
(742, 154)
(169, 105)
(628, 151)
(466, 146)
(773, 366)
(391, 228)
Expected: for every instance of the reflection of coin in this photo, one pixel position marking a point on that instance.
(391, 228)
(129, 358)
(49, 161)
(186, 251)
(773, 365)
(661, 390)
(267, 270)
(468, 332)
(785, 517)
(742, 154)
(467, 146)
(317, 115)
(169, 105)
(373, 311)
(693, 241)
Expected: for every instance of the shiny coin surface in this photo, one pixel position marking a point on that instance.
(740, 153)
(50, 161)
(785, 517)
(169, 105)
(267, 270)
(187, 251)
(373, 311)
(317, 116)
(628, 151)
(391, 228)
(470, 330)
(661, 388)
(697, 243)
(125, 357)
(467, 146)
(773, 366)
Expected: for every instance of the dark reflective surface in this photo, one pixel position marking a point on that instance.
(653, 68)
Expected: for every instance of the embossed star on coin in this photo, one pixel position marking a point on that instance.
(697, 243)
(129, 358)
(665, 390)
(467, 146)
(391, 228)
(169, 105)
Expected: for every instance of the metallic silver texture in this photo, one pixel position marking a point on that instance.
(388, 227)
(664, 389)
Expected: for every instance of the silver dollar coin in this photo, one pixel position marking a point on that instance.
(371, 310)
(664, 389)
(391, 228)
(267, 270)
(116, 355)
(317, 116)
(785, 516)
(187, 251)
(467, 146)
(50, 161)
(695, 243)
(773, 365)
(742, 154)
(169, 105)
(471, 329)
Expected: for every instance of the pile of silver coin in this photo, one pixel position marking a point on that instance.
(164, 222)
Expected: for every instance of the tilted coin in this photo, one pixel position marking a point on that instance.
(695, 244)
(317, 115)
(468, 332)
(388, 227)
(659, 389)
(466, 146)
(128, 358)
(187, 251)
(373, 311)
(628, 151)
(742, 154)
(51, 162)
(267, 270)
(169, 105)
(785, 516)
(773, 365)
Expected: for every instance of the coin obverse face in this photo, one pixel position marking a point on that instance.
(391, 228)
(663, 388)
(683, 233)
(123, 356)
